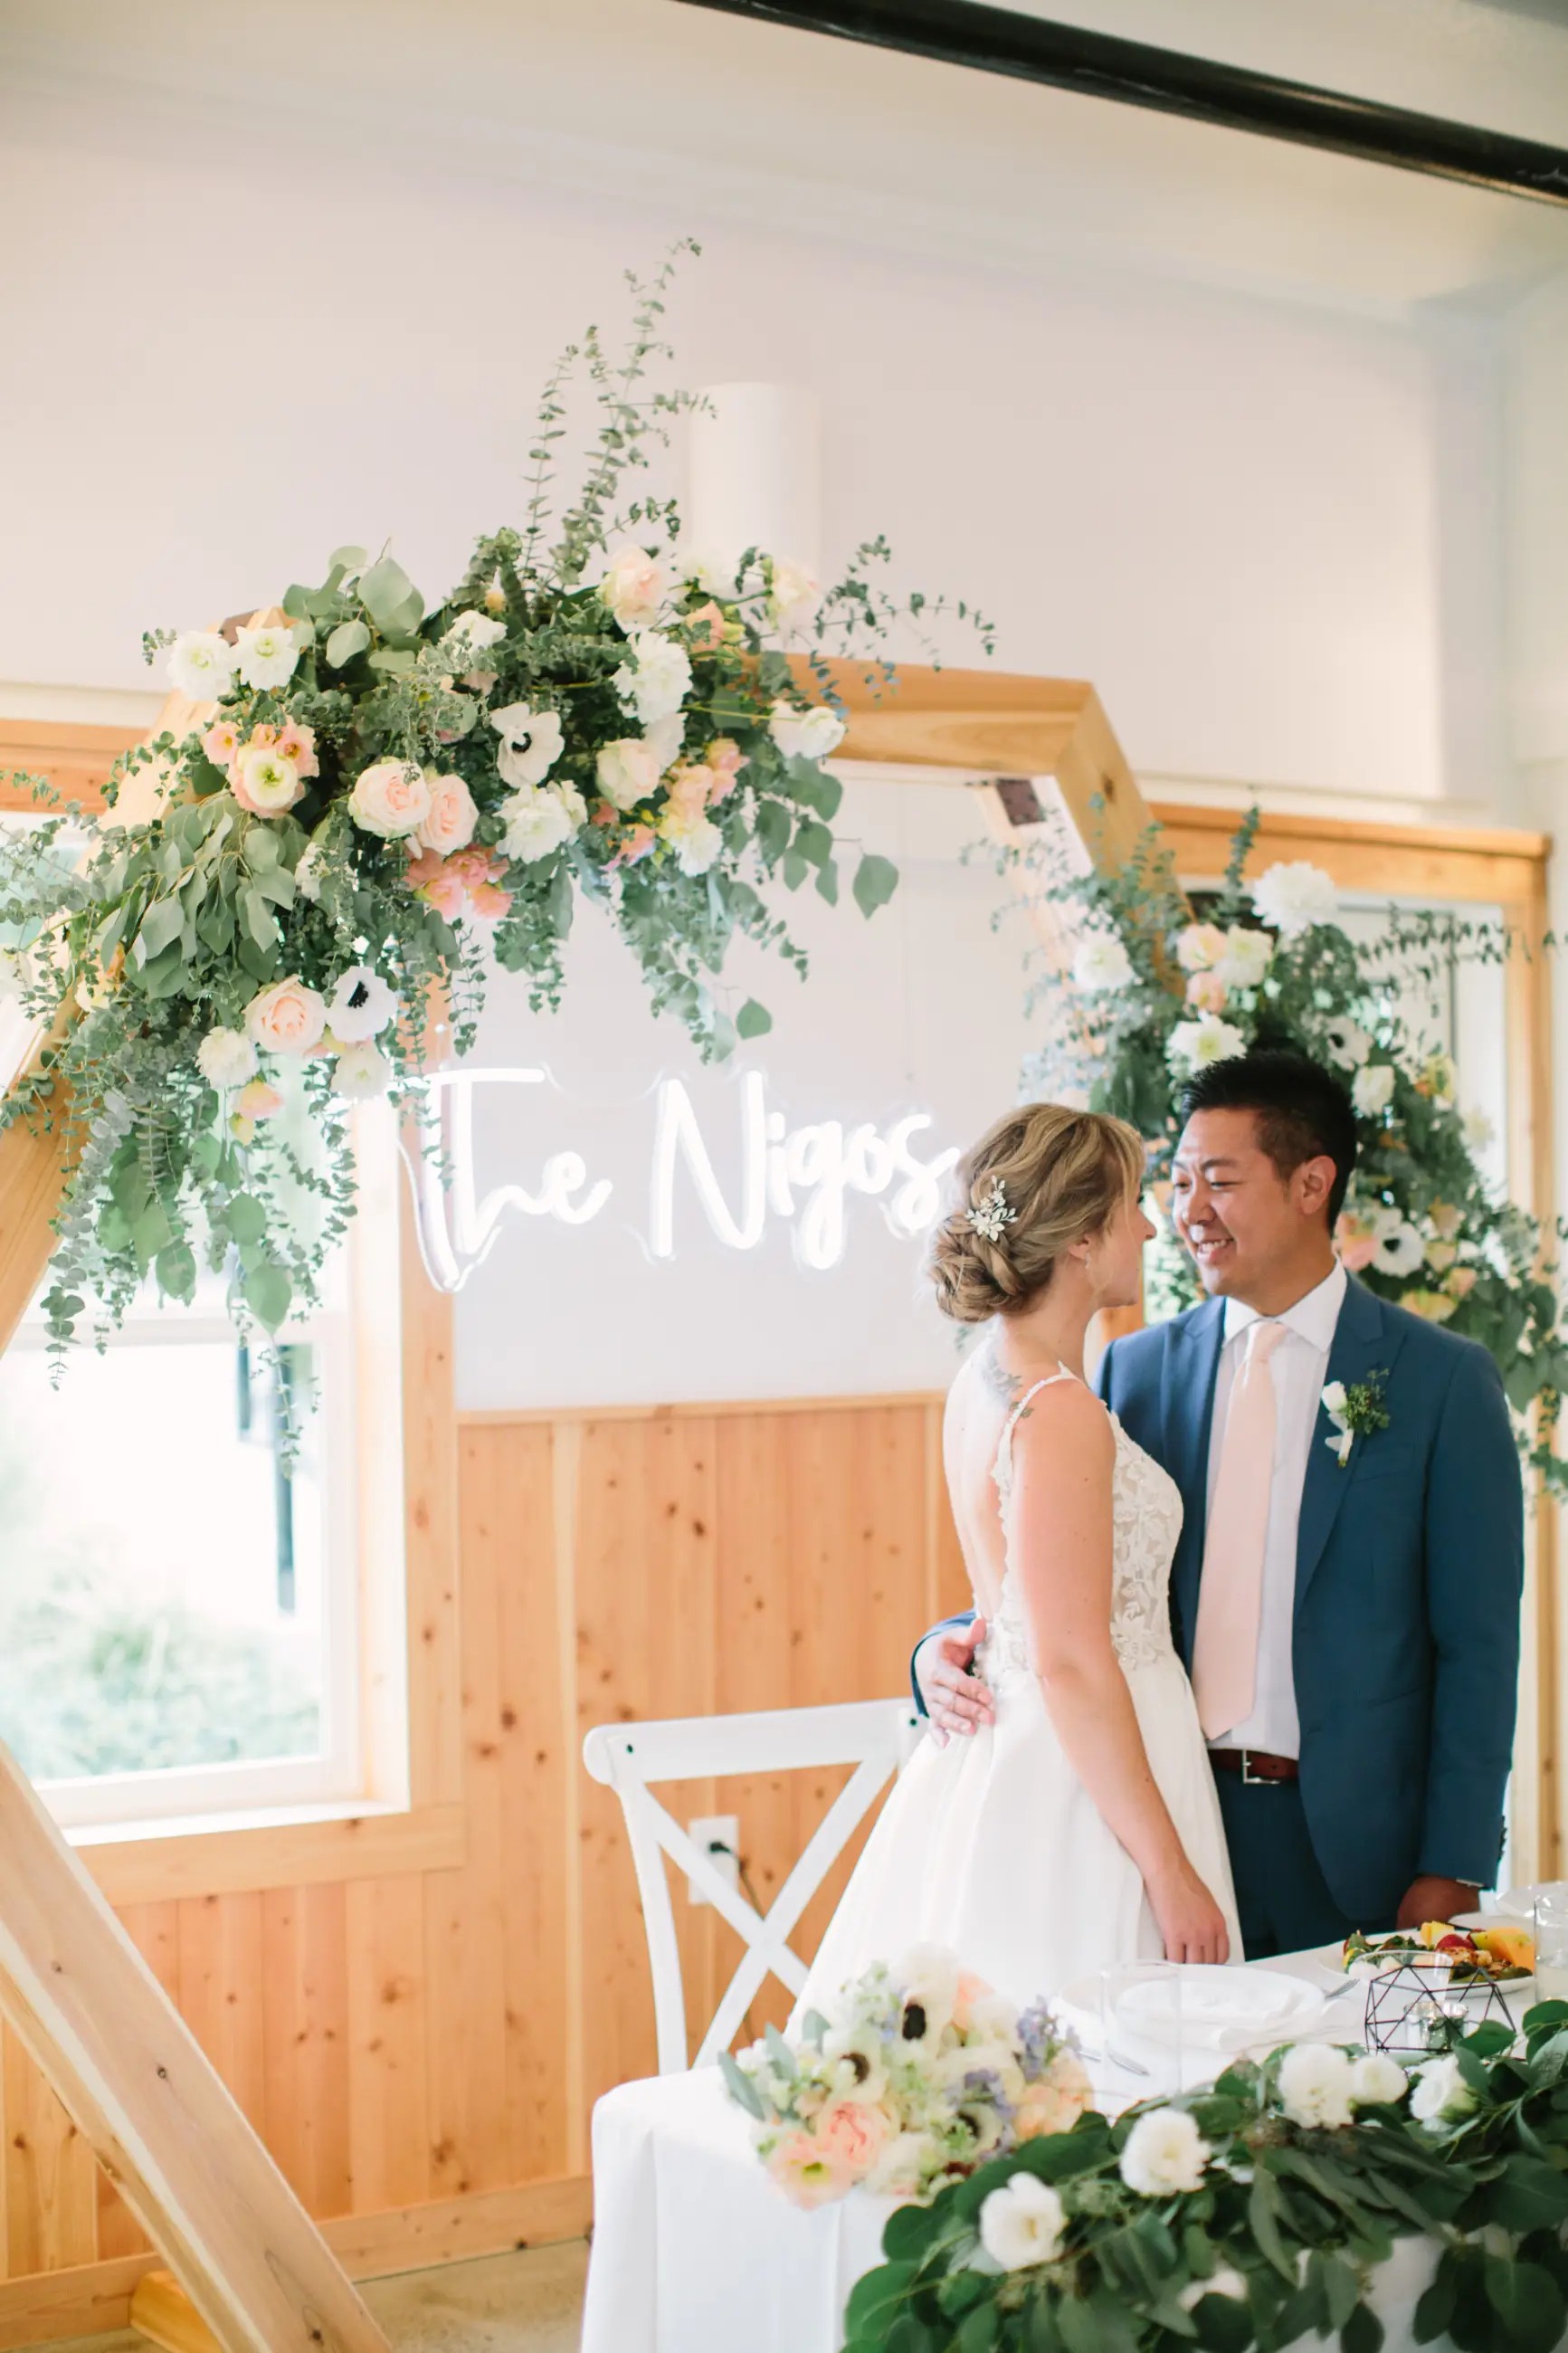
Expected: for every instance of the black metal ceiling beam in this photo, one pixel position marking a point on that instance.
(1131, 73)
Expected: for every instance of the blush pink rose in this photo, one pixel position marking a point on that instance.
(853, 2135)
(709, 628)
(725, 758)
(1355, 1239)
(635, 587)
(690, 788)
(287, 1018)
(391, 798)
(449, 822)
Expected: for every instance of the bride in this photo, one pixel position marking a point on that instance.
(1081, 1829)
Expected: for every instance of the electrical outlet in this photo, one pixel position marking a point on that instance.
(716, 1830)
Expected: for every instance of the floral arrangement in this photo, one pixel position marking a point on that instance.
(920, 2075)
(1156, 995)
(371, 804)
(1256, 2213)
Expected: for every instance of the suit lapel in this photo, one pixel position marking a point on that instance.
(1186, 1405)
(1363, 1344)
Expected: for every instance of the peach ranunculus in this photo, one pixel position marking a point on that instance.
(221, 742)
(287, 1018)
(1356, 1239)
(1055, 2103)
(636, 846)
(726, 760)
(391, 798)
(1208, 991)
(439, 882)
(853, 2135)
(1200, 946)
(690, 788)
(1432, 1306)
(449, 823)
(298, 743)
(482, 873)
(806, 2172)
(256, 1100)
(1460, 1282)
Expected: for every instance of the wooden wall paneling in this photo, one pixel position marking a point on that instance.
(154, 1930)
(305, 2032)
(221, 1979)
(389, 2139)
(545, 1981)
(51, 2184)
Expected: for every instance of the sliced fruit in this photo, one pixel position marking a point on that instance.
(1515, 1947)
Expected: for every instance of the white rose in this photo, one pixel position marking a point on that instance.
(1223, 2281)
(1101, 962)
(1194, 1045)
(628, 771)
(307, 874)
(1315, 2085)
(530, 743)
(226, 1057)
(1165, 2152)
(359, 1007)
(266, 655)
(695, 839)
(287, 1018)
(1334, 1400)
(536, 824)
(1293, 896)
(391, 798)
(268, 782)
(201, 665)
(360, 1074)
(809, 734)
(1371, 1090)
(1377, 2081)
(1441, 2095)
(635, 587)
(664, 738)
(1349, 1044)
(904, 2165)
(472, 632)
(793, 596)
(657, 680)
(1400, 1249)
(1022, 2222)
(1246, 958)
(448, 823)
(571, 800)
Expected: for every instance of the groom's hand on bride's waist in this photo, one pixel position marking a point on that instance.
(957, 1701)
(1437, 1899)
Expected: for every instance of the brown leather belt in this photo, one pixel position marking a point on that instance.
(1255, 1765)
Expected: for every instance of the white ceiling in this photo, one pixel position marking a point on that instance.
(707, 118)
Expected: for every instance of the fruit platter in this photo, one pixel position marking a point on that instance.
(1501, 1953)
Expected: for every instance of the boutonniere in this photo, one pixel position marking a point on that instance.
(1356, 1411)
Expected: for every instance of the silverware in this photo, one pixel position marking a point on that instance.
(1117, 2058)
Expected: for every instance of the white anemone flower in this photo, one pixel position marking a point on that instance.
(359, 1007)
(1400, 1249)
(1347, 1043)
(530, 743)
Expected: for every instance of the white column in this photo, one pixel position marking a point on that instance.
(754, 474)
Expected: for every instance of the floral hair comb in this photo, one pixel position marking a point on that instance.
(990, 1216)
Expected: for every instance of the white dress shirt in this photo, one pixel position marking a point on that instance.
(1300, 1366)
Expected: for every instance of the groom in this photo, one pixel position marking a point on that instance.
(1351, 1632)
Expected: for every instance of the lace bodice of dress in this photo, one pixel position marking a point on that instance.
(1147, 1521)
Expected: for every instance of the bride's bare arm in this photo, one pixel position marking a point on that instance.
(1064, 1458)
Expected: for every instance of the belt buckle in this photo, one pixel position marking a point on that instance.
(1250, 1779)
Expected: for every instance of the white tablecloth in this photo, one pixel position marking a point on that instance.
(696, 2251)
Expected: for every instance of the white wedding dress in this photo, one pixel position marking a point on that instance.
(992, 1846)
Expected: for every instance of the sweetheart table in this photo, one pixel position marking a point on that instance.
(696, 2251)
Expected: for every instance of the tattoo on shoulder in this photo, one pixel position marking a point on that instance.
(1002, 1384)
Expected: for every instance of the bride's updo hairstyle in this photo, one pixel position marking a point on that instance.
(1064, 1175)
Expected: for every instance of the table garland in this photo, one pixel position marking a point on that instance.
(1153, 996)
(367, 804)
(1255, 2213)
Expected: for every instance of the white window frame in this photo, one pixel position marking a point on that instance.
(338, 1778)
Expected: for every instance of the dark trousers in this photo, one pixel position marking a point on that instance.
(1282, 1895)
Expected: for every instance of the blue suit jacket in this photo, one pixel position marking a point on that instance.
(1409, 1569)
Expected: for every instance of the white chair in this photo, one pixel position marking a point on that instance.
(877, 1737)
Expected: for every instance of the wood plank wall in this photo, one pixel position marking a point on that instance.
(442, 2036)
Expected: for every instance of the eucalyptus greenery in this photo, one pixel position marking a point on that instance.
(1282, 2234)
(370, 804)
(1153, 993)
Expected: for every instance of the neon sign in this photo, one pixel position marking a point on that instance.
(798, 1176)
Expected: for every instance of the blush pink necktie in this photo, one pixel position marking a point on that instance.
(1230, 1595)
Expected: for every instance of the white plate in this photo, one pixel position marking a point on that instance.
(1222, 2009)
